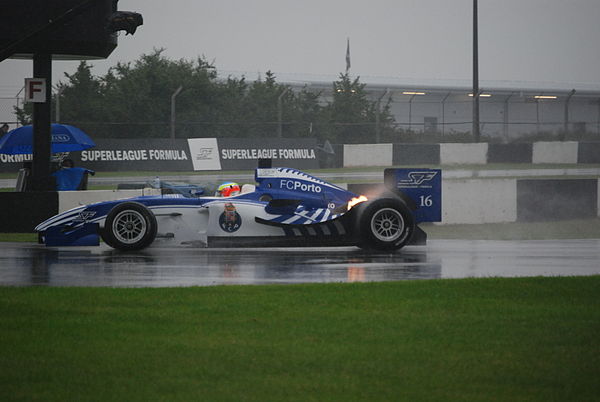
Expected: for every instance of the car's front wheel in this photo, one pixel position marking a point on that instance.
(129, 226)
(385, 224)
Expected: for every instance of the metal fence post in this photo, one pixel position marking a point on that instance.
(173, 111)
(566, 128)
(476, 133)
(444, 113)
(598, 122)
(280, 113)
(378, 117)
(57, 104)
(505, 117)
(410, 112)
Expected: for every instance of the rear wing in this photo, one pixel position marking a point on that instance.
(423, 186)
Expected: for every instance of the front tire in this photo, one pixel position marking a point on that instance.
(385, 224)
(129, 226)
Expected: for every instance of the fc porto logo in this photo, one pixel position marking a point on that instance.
(230, 221)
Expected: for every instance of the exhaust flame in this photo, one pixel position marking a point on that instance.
(356, 200)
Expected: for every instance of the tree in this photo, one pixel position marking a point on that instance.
(350, 114)
(133, 100)
(140, 94)
(228, 109)
(262, 106)
(80, 97)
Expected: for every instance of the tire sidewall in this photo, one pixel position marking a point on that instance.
(368, 239)
(144, 241)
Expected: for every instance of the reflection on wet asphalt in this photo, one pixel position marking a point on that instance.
(23, 264)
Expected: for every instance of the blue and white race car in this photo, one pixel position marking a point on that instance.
(285, 207)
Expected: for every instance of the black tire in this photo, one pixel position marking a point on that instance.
(129, 226)
(385, 224)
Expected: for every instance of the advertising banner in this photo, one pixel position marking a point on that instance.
(12, 163)
(131, 155)
(185, 155)
(244, 153)
(121, 155)
(204, 153)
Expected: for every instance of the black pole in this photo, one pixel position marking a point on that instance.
(476, 134)
(40, 167)
(565, 132)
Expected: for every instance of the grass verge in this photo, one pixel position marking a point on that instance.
(472, 339)
(18, 237)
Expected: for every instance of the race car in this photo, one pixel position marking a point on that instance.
(285, 207)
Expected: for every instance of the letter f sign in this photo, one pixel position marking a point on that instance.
(35, 90)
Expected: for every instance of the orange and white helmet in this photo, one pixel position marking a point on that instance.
(228, 189)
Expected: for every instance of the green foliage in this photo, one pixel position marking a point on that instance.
(81, 98)
(24, 114)
(348, 110)
(133, 100)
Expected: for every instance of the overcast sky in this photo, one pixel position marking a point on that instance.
(553, 41)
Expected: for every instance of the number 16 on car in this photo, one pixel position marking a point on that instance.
(423, 186)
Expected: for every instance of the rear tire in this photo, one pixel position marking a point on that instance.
(129, 226)
(385, 224)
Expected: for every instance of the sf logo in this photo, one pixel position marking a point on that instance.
(417, 178)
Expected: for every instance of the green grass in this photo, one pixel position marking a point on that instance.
(473, 339)
(18, 237)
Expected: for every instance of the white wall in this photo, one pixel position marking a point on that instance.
(555, 152)
(479, 201)
(453, 154)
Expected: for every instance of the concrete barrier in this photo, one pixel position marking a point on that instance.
(556, 199)
(416, 154)
(509, 153)
(554, 152)
(453, 154)
(479, 201)
(476, 201)
(368, 155)
(588, 152)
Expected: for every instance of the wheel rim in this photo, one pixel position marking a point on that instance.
(129, 226)
(387, 224)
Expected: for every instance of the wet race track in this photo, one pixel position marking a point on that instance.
(26, 264)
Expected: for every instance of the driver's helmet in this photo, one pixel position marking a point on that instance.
(228, 189)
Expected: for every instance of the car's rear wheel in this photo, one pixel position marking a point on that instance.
(129, 226)
(385, 224)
